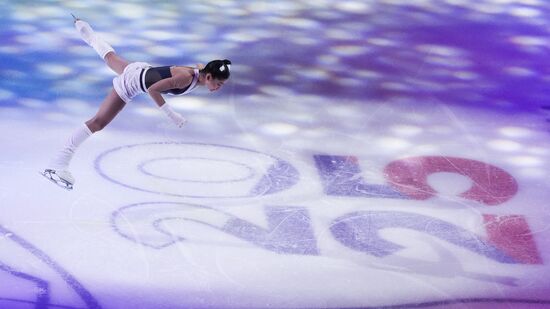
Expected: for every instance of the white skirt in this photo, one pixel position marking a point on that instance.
(128, 84)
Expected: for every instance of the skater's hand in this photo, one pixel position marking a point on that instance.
(176, 117)
(178, 120)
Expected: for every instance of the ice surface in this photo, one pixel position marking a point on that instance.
(364, 154)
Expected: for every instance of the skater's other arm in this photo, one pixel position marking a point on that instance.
(178, 81)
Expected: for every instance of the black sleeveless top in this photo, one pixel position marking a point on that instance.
(154, 74)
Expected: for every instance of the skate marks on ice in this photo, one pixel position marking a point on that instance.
(23, 271)
(193, 170)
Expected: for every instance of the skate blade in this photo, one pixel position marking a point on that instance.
(51, 176)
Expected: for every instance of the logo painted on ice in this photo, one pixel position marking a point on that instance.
(507, 238)
(206, 171)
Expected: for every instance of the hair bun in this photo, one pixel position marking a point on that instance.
(220, 69)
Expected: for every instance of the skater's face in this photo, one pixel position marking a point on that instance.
(212, 83)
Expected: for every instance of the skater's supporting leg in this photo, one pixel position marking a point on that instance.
(62, 158)
(110, 107)
(108, 110)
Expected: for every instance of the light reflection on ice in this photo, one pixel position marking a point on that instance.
(278, 128)
(515, 132)
(406, 130)
(527, 161)
(505, 145)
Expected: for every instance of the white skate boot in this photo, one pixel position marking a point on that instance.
(62, 178)
(85, 31)
(91, 38)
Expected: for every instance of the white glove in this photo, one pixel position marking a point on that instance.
(176, 117)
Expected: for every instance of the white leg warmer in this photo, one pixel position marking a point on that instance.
(63, 157)
(91, 38)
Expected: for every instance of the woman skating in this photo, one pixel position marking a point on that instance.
(133, 79)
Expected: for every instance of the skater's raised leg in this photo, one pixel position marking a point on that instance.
(102, 48)
(115, 62)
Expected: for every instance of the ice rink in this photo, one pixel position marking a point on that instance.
(364, 154)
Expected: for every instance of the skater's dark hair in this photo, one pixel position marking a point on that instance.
(219, 69)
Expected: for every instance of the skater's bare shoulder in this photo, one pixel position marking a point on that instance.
(183, 79)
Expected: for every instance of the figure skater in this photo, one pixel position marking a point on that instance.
(133, 79)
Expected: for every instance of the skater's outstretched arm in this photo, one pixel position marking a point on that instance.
(177, 81)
